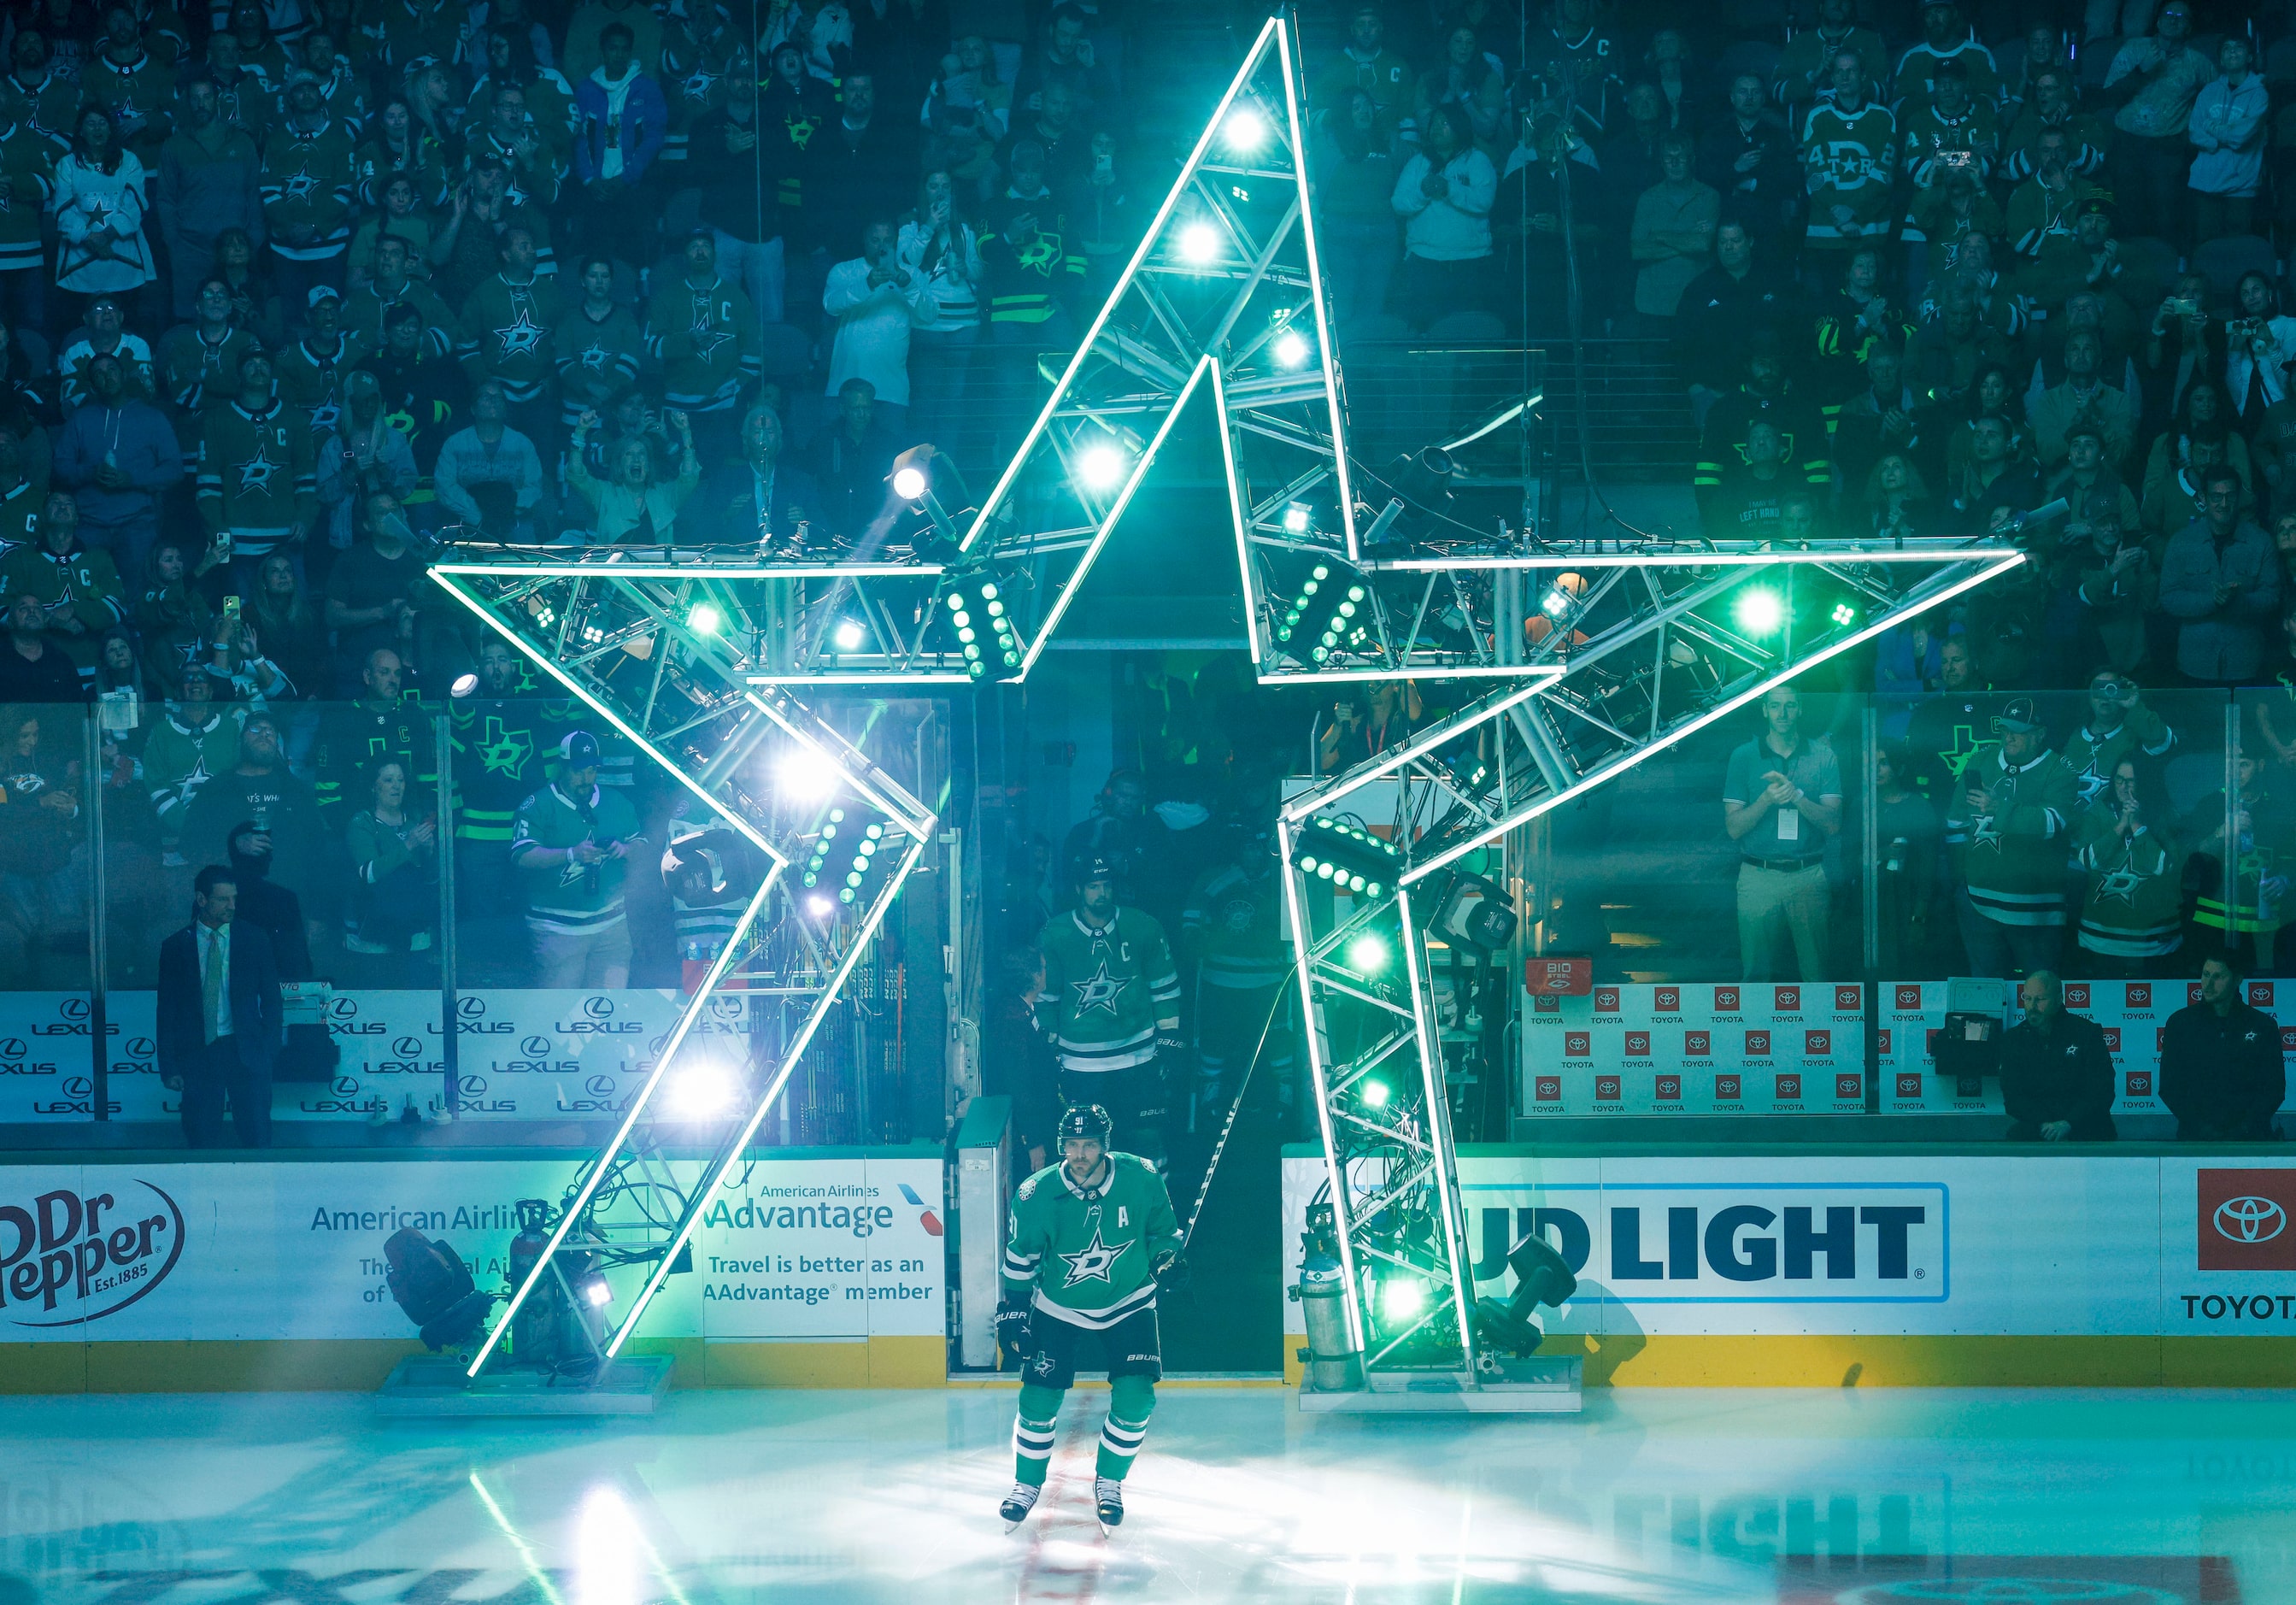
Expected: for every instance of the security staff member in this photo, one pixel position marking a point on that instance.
(2056, 1074)
(2221, 1065)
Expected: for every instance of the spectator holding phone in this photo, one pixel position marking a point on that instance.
(572, 842)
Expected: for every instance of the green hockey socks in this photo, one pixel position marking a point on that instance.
(1032, 1433)
(1131, 1401)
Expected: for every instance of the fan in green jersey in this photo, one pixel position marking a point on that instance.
(1091, 1238)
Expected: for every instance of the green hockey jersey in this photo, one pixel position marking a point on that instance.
(706, 341)
(2015, 854)
(1089, 1253)
(2095, 757)
(1109, 988)
(255, 475)
(508, 334)
(502, 746)
(1233, 926)
(2134, 904)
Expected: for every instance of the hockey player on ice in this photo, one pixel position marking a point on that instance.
(1091, 1238)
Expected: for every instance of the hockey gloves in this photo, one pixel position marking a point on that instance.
(1172, 1273)
(1011, 1323)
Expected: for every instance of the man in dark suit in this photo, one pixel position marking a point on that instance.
(220, 1016)
(725, 509)
(2056, 1073)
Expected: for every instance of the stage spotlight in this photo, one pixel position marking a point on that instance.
(1374, 1095)
(1102, 467)
(1246, 129)
(1759, 612)
(464, 684)
(1295, 518)
(849, 635)
(1844, 615)
(908, 483)
(1200, 243)
(1403, 1297)
(1289, 348)
(704, 618)
(1474, 912)
(1367, 954)
(701, 1090)
(806, 776)
(595, 1292)
(1425, 479)
(819, 906)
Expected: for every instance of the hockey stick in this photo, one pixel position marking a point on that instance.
(1211, 1166)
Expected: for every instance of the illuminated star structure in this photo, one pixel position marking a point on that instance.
(1600, 653)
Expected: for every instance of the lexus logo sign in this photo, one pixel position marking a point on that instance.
(2248, 1218)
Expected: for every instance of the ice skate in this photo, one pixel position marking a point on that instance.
(1018, 1504)
(1108, 1498)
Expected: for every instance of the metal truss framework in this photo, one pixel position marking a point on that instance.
(1627, 651)
(638, 648)
(1654, 648)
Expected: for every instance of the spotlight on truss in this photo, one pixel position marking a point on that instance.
(1102, 467)
(1245, 130)
(805, 776)
(704, 619)
(702, 1088)
(1289, 348)
(849, 635)
(1200, 243)
(909, 483)
(1759, 611)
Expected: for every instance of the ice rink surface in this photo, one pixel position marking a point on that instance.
(1870, 1498)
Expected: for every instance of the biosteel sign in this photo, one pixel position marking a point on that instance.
(98, 1252)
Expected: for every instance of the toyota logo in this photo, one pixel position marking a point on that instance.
(598, 1009)
(2250, 1220)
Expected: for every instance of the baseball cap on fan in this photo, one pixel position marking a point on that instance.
(578, 750)
(2019, 716)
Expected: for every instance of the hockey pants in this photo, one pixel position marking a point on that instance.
(1131, 1401)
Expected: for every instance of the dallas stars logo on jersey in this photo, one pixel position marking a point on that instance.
(505, 750)
(254, 473)
(1095, 1262)
(522, 336)
(1099, 991)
